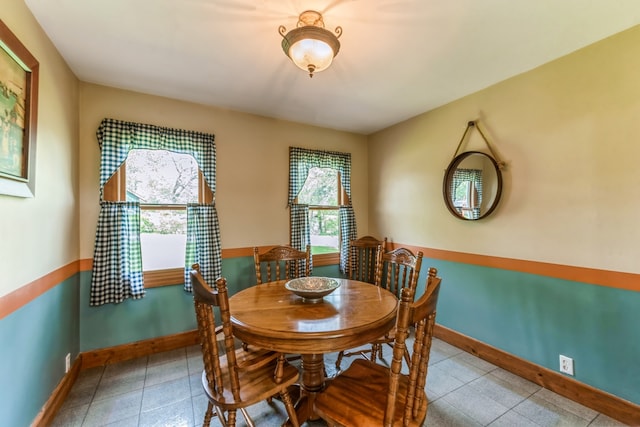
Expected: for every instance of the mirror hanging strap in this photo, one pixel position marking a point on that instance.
(474, 124)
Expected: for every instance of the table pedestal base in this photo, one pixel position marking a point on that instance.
(311, 384)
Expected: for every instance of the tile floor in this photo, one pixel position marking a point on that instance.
(164, 390)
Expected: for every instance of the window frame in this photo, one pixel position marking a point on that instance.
(333, 257)
(115, 190)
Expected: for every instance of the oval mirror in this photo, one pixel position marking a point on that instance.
(472, 185)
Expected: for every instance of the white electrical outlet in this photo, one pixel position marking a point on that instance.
(566, 365)
(67, 363)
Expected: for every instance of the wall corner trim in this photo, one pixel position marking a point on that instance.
(51, 407)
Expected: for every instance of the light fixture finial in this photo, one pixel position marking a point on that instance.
(310, 46)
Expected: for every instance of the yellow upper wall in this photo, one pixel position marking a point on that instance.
(40, 234)
(565, 129)
(568, 131)
(252, 161)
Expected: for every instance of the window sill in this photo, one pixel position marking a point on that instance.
(326, 259)
(168, 277)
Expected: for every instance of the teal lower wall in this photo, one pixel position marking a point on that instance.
(163, 311)
(534, 317)
(35, 340)
(538, 318)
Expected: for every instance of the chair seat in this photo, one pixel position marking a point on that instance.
(246, 357)
(253, 358)
(364, 386)
(255, 385)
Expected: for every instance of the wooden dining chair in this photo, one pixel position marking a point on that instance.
(398, 269)
(235, 378)
(281, 262)
(395, 271)
(363, 255)
(369, 394)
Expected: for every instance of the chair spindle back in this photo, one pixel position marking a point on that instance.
(363, 255)
(398, 269)
(280, 263)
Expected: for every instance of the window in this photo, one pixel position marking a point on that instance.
(331, 167)
(321, 192)
(163, 182)
(117, 271)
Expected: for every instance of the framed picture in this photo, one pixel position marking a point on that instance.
(18, 116)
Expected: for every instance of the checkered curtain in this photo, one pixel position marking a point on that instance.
(116, 139)
(203, 243)
(301, 160)
(475, 176)
(348, 232)
(300, 234)
(117, 261)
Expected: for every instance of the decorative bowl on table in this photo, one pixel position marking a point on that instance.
(312, 289)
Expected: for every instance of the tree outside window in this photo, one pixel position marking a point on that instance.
(163, 182)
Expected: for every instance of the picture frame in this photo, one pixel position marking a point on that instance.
(19, 73)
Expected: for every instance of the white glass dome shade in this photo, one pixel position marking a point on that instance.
(310, 46)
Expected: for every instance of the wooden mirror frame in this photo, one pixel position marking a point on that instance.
(449, 176)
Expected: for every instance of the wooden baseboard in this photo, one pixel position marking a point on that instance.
(120, 353)
(52, 406)
(106, 356)
(598, 400)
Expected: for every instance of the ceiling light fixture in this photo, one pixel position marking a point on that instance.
(309, 45)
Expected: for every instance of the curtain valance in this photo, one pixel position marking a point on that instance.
(117, 138)
(301, 160)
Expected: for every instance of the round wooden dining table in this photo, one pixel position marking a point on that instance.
(271, 317)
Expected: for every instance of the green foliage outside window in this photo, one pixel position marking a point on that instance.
(320, 188)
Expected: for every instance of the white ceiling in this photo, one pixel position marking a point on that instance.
(398, 58)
